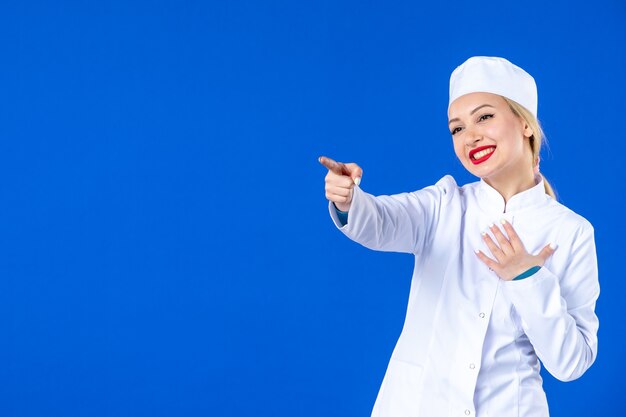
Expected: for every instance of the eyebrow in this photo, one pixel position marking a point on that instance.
(456, 119)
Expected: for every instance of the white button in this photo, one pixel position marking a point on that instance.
(472, 366)
(482, 315)
(467, 412)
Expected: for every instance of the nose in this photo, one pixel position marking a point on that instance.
(472, 136)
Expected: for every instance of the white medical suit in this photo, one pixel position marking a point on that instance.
(471, 342)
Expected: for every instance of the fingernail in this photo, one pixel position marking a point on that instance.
(476, 251)
(492, 224)
(503, 221)
(357, 180)
(483, 234)
(553, 246)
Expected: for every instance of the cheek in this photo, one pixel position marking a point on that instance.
(494, 132)
(459, 148)
(503, 133)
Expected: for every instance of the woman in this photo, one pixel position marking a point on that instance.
(504, 274)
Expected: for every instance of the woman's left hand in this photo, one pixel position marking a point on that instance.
(511, 256)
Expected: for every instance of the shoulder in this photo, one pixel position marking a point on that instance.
(448, 187)
(570, 223)
(446, 190)
(452, 190)
(569, 217)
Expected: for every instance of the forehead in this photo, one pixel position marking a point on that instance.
(464, 105)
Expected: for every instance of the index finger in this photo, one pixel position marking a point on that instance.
(337, 167)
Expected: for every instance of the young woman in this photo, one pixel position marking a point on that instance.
(504, 274)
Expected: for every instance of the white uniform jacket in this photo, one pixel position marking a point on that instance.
(471, 342)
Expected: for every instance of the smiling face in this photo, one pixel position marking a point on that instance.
(489, 139)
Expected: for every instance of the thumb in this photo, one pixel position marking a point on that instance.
(355, 172)
(547, 251)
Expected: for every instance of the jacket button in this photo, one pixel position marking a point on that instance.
(482, 315)
(467, 412)
(472, 366)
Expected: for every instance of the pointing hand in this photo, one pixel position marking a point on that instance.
(340, 181)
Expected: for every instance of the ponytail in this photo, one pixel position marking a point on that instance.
(548, 188)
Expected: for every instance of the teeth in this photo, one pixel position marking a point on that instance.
(482, 153)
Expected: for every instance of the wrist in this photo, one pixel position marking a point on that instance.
(342, 207)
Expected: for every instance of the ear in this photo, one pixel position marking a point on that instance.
(528, 132)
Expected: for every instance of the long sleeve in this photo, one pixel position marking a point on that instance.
(394, 223)
(558, 312)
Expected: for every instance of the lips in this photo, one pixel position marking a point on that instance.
(481, 154)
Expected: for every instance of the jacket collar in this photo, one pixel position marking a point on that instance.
(491, 200)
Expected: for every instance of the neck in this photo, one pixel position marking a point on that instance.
(508, 187)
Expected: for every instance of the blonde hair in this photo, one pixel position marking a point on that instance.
(535, 140)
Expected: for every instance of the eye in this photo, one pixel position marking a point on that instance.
(455, 130)
(485, 117)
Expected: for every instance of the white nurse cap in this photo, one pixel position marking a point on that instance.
(494, 75)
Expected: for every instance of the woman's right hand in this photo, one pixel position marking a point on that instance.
(340, 181)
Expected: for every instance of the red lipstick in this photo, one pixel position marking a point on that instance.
(484, 158)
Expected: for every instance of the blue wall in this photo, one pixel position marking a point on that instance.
(166, 248)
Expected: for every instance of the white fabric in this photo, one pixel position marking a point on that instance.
(471, 342)
(497, 76)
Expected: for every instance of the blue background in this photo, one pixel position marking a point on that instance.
(166, 247)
